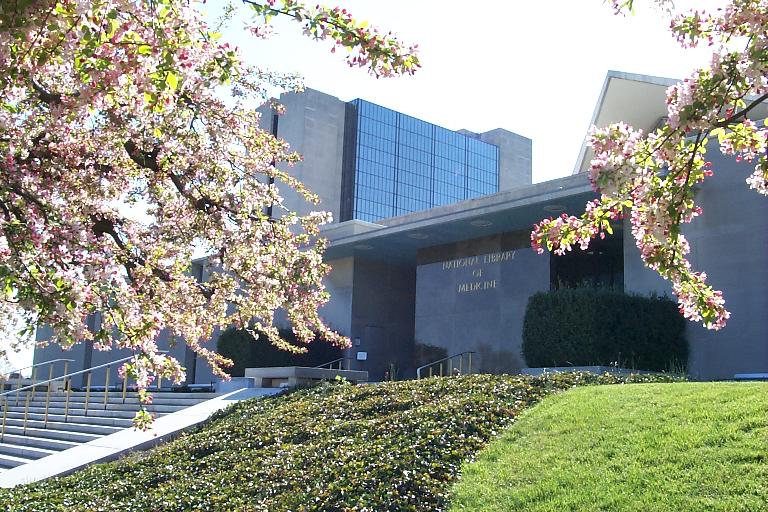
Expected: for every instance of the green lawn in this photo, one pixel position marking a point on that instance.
(657, 447)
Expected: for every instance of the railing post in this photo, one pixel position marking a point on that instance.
(48, 396)
(68, 389)
(106, 389)
(441, 369)
(430, 370)
(32, 395)
(461, 364)
(5, 415)
(469, 364)
(26, 413)
(125, 385)
(87, 392)
(18, 387)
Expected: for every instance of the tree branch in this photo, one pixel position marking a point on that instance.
(741, 113)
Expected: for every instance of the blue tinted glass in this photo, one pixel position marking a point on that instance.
(405, 164)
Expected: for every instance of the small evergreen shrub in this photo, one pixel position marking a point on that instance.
(594, 326)
(247, 352)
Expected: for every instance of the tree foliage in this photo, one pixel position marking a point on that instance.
(651, 177)
(108, 107)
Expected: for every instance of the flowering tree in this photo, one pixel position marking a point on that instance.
(114, 105)
(651, 177)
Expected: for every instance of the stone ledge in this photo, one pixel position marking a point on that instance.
(291, 376)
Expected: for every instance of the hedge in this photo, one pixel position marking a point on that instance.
(593, 326)
(388, 447)
(247, 352)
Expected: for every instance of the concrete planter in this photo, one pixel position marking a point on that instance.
(233, 384)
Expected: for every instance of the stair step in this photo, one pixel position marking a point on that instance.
(70, 426)
(19, 445)
(26, 452)
(113, 400)
(51, 433)
(174, 396)
(38, 442)
(92, 419)
(11, 461)
(96, 408)
(114, 412)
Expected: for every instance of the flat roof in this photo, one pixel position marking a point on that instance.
(397, 239)
(638, 100)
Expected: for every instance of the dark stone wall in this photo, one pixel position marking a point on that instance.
(472, 295)
(382, 317)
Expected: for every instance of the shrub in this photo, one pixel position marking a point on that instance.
(333, 447)
(593, 326)
(247, 352)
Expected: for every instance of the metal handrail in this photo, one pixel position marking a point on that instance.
(67, 379)
(67, 376)
(18, 370)
(448, 359)
(330, 364)
(33, 377)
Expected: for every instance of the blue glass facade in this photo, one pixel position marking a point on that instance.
(403, 164)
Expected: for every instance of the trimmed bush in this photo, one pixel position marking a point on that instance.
(392, 446)
(593, 326)
(246, 352)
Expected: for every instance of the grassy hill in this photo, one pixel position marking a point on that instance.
(394, 446)
(658, 447)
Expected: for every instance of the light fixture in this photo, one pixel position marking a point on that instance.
(554, 208)
(364, 247)
(418, 236)
(481, 223)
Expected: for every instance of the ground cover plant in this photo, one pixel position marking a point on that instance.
(392, 446)
(690, 446)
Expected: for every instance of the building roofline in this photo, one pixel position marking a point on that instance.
(609, 76)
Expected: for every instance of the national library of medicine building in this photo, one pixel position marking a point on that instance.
(431, 241)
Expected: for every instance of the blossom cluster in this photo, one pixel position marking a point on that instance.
(112, 107)
(651, 177)
(383, 54)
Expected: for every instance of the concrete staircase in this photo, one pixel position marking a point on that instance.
(75, 426)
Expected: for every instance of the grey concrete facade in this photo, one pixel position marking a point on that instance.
(515, 162)
(317, 126)
(313, 125)
(729, 242)
(472, 296)
(399, 285)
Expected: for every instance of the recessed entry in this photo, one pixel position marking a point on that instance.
(418, 236)
(481, 223)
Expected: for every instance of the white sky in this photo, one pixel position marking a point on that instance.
(531, 67)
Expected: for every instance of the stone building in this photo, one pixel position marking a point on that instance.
(431, 252)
